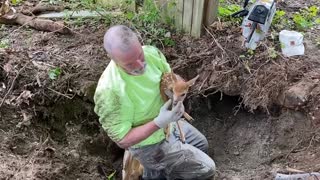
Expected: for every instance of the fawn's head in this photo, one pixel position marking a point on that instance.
(180, 87)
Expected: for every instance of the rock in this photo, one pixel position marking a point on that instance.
(236, 153)
(298, 94)
(74, 154)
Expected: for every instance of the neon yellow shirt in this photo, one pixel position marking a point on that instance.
(123, 101)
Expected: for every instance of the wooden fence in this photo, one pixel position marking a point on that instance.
(190, 15)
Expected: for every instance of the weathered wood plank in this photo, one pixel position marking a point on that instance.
(187, 15)
(197, 19)
(179, 14)
(211, 11)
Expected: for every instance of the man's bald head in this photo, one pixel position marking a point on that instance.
(123, 46)
(121, 38)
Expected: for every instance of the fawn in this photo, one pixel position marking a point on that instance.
(172, 86)
(132, 169)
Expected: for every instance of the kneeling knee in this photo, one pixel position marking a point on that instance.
(209, 170)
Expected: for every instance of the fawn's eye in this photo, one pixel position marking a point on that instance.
(183, 94)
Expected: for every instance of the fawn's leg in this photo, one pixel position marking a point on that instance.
(182, 136)
(188, 117)
(167, 131)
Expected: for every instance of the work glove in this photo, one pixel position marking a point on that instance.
(167, 116)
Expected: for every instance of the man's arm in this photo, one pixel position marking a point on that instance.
(115, 118)
(138, 134)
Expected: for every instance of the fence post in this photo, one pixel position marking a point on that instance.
(197, 18)
(187, 15)
(211, 11)
(190, 15)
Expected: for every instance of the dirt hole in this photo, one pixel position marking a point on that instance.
(249, 145)
(243, 144)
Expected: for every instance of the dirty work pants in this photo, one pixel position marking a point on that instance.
(171, 159)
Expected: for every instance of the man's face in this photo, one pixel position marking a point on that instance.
(131, 61)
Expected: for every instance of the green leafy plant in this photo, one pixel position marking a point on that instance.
(272, 53)
(250, 52)
(303, 20)
(280, 21)
(150, 21)
(54, 73)
(306, 18)
(4, 43)
(169, 42)
(111, 176)
(225, 11)
(16, 2)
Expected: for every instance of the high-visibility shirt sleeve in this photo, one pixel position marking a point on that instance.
(114, 113)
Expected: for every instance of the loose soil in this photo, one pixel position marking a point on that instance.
(48, 129)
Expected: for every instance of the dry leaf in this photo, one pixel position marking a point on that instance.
(24, 97)
(8, 67)
(26, 120)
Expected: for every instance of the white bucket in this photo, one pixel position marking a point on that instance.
(291, 43)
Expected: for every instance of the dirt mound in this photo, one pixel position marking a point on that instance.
(261, 79)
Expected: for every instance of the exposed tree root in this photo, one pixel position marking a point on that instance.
(8, 15)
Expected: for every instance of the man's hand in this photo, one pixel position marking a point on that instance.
(166, 116)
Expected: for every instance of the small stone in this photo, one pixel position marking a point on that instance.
(237, 153)
(167, 35)
(74, 154)
(188, 50)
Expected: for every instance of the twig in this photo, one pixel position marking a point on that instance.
(64, 95)
(203, 83)
(38, 80)
(238, 107)
(294, 170)
(13, 82)
(293, 149)
(256, 70)
(218, 44)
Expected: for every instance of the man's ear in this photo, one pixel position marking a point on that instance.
(192, 81)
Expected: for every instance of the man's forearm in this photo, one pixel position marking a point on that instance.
(138, 134)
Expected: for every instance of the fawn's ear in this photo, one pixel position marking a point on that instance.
(192, 81)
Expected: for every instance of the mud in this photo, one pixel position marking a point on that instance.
(255, 146)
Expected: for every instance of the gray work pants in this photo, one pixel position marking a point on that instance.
(171, 159)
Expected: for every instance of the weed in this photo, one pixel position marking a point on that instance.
(272, 53)
(111, 176)
(250, 52)
(306, 18)
(54, 73)
(225, 11)
(303, 20)
(16, 2)
(150, 22)
(280, 21)
(4, 43)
